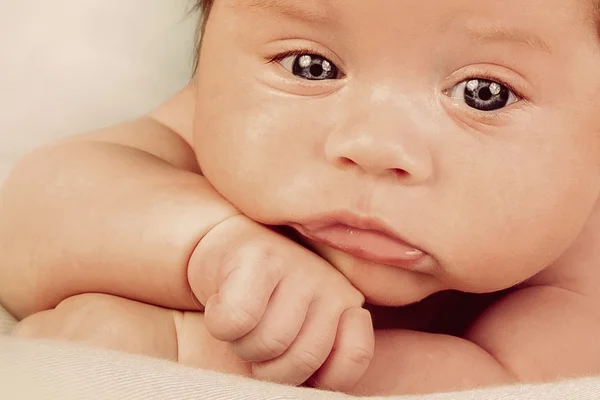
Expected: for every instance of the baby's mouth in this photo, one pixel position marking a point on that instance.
(365, 239)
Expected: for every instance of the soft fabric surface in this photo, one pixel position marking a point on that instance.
(42, 370)
(73, 65)
(6, 322)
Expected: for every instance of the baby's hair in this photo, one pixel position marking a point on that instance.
(203, 8)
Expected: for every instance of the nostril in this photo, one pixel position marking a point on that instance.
(346, 162)
(399, 172)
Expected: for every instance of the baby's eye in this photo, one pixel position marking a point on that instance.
(311, 67)
(483, 94)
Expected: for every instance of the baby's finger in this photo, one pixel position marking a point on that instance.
(279, 325)
(351, 355)
(308, 352)
(241, 301)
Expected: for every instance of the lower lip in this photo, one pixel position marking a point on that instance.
(366, 244)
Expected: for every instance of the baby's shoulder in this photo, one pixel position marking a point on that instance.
(578, 269)
(147, 134)
(561, 302)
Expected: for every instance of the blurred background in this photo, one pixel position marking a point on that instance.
(68, 66)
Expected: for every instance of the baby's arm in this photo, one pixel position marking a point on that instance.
(535, 334)
(117, 211)
(122, 212)
(115, 323)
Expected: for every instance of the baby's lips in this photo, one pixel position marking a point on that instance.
(370, 245)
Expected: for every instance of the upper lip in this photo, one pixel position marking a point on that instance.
(314, 224)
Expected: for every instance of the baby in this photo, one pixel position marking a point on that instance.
(376, 197)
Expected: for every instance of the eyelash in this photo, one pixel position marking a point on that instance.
(290, 53)
(299, 53)
(493, 78)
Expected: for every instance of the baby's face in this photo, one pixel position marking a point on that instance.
(468, 129)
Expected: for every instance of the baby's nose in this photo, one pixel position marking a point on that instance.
(381, 146)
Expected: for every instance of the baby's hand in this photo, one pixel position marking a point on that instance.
(284, 308)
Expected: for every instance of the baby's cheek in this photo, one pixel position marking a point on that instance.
(496, 260)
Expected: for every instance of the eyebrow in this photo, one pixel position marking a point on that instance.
(492, 34)
(298, 10)
(320, 13)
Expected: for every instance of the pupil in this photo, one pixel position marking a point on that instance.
(313, 67)
(485, 94)
(316, 70)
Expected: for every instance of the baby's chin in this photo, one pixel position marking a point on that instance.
(381, 290)
(382, 285)
(392, 286)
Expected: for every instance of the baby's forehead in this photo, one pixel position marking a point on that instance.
(534, 22)
(332, 10)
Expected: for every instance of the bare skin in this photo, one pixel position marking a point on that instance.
(212, 255)
(495, 200)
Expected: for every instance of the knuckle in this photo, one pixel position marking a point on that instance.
(273, 347)
(306, 362)
(259, 252)
(355, 297)
(340, 293)
(348, 302)
(358, 355)
(241, 318)
(263, 255)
